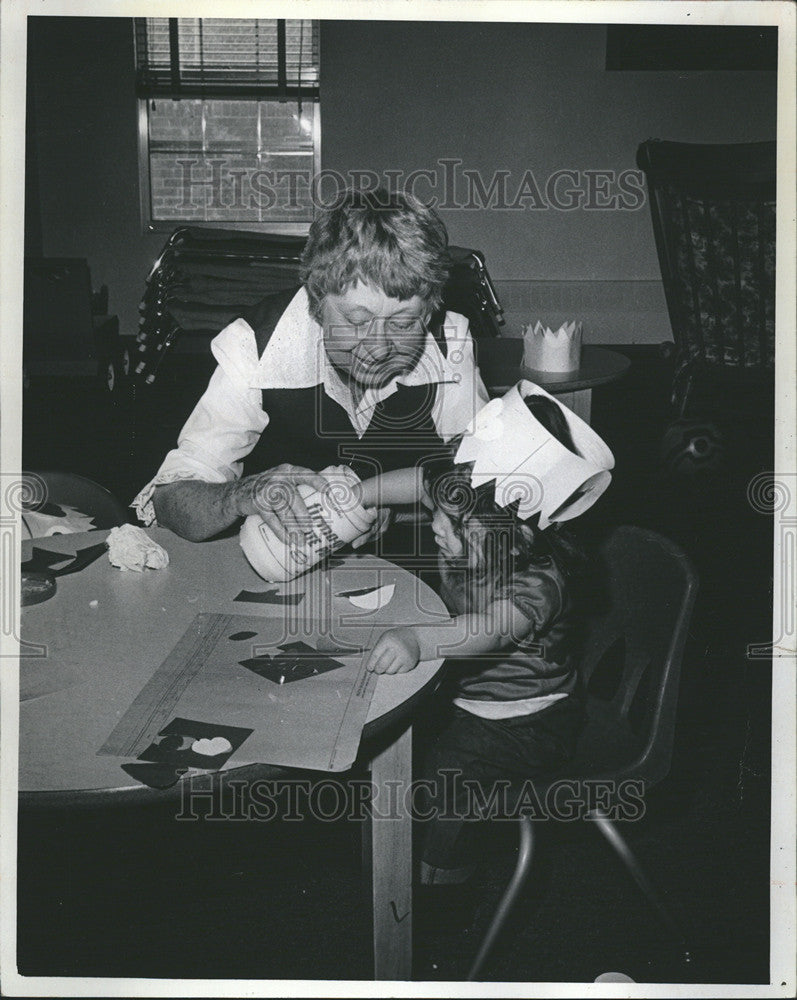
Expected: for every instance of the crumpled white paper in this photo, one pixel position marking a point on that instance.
(130, 547)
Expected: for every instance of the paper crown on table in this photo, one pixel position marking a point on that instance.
(507, 444)
(552, 351)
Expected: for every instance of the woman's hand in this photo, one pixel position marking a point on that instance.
(396, 652)
(274, 496)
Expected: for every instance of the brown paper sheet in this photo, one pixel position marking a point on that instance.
(312, 722)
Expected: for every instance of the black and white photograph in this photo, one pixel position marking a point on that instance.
(398, 498)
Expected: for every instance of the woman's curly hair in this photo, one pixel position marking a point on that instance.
(390, 240)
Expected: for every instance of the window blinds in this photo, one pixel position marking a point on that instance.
(226, 57)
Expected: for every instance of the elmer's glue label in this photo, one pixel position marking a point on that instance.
(335, 517)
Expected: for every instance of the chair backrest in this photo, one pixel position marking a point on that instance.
(470, 292)
(204, 279)
(83, 494)
(713, 214)
(645, 591)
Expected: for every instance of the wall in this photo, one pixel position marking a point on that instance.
(531, 96)
(82, 77)
(402, 96)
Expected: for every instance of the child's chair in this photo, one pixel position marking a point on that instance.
(630, 668)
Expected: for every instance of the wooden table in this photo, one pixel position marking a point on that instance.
(500, 363)
(98, 657)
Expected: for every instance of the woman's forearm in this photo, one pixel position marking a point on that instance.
(196, 510)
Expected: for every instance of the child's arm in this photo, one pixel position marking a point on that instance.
(381, 493)
(401, 649)
(401, 486)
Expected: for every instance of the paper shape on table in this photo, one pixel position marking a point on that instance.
(298, 648)
(212, 747)
(49, 509)
(358, 593)
(48, 519)
(44, 559)
(370, 598)
(316, 725)
(297, 662)
(267, 597)
(175, 744)
(159, 775)
(83, 558)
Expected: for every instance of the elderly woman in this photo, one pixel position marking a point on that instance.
(359, 366)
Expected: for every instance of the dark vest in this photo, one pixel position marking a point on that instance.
(308, 428)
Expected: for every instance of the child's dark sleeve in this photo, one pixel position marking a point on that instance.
(539, 594)
(452, 587)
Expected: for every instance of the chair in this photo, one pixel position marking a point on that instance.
(75, 491)
(713, 214)
(66, 327)
(630, 667)
(205, 278)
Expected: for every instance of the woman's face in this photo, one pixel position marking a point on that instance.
(372, 337)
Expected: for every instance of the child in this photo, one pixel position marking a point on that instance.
(514, 708)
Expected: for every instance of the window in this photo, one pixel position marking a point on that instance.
(229, 130)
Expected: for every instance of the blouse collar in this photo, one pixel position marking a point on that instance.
(295, 358)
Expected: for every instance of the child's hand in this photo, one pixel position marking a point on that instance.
(396, 652)
(379, 525)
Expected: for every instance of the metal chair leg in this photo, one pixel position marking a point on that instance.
(623, 851)
(525, 854)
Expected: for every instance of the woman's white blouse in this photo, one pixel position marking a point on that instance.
(228, 420)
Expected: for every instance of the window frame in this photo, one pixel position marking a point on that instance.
(163, 226)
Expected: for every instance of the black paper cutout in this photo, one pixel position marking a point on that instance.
(361, 592)
(297, 662)
(267, 597)
(83, 558)
(45, 559)
(155, 775)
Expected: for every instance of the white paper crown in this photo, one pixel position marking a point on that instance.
(553, 351)
(509, 445)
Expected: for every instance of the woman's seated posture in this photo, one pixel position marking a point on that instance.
(358, 366)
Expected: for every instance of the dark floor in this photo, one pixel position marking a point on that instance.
(135, 893)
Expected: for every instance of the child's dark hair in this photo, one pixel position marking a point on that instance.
(510, 545)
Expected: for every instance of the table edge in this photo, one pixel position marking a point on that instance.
(138, 794)
(554, 382)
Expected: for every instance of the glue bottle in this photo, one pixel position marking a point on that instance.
(336, 517)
